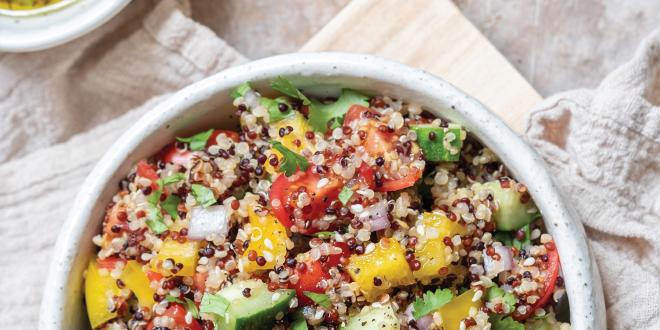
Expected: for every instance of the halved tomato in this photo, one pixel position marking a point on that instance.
(285, 191)
(378, 142)
(171, 154)
(148, 171)
(549, 282)
(401, 183)
(178, 314)
(314, 272)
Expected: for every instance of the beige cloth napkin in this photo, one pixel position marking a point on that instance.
(62, 108)
(603, 146)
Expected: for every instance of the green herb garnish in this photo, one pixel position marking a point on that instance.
(240, 90)
(430, 302)
(273, 107)
(320, 299)
(213, 304)
(155, 221)
(499, 322)
(291, 161)
(192, 308)
(329, 116)
(285, 87)
(526, 241)
(197, 142)
(507, 297)
(203, 195)
(345, 195)
(324, 234)
(171, 205)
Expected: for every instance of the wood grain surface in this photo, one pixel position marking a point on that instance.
(432, 35)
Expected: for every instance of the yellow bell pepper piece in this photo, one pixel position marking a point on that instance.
(300, 126)
(430, 249)
(458, 309)
(98, 291)
(387, 262)
(268, 237)
(136, 280)
(184, 253)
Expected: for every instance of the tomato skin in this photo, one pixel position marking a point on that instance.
(283, 187)
(230, 134)
(154, 276)
(315, 271)
(356, 112)
(171, 154)
(402, 183)
(550, 281)
(178, 313)
(108, 263)
(199, 281)
(366, 174)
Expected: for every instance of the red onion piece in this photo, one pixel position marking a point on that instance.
(376, 216)
(424, 323)
(494, 267)
(209, 222)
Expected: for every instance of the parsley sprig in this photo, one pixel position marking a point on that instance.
(197, 142)
(291, 161)
(285, 87)
(320, 299)
(499, 322)
(430, 302)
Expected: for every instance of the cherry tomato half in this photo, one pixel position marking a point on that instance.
(171, 154)
(285, 191)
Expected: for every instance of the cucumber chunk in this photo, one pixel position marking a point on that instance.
(374, 317)
(440, 144)
(511, 212)
(259, 311)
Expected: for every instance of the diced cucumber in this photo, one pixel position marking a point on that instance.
(321, 114)
(374, 317)
(259, 311)
(511, 212)
(440, 144)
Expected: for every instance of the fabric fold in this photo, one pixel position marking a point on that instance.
(603, 147)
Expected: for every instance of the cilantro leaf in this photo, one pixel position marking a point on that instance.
(203, 195)
(291, 161)
(155, 221)
(320, 299)
(174, 178)
(430, 302)
(526, 241)
(173, 299)
(285, 87)
(324, 234)
(213, 304)
(323, 116)
(298, 322)
(499, 322)
(154, 197)
(170, 205)
(197, 142)
(273, 107)
(240, 90)
(345, 195)
(507, 297)
(192, 308)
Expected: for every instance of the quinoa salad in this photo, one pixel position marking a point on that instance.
(354, 212)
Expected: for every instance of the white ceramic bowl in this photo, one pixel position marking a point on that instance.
(49, 26)
(207, 104)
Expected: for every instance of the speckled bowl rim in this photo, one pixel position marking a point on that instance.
(582, 280)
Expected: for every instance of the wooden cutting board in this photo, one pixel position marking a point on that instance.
(432, 35)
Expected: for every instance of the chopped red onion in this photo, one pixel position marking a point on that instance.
(210, 222)
(494, 267)
(376, 216)
(424, 323)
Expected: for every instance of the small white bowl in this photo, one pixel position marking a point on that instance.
(53, 25)
(207, 104)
